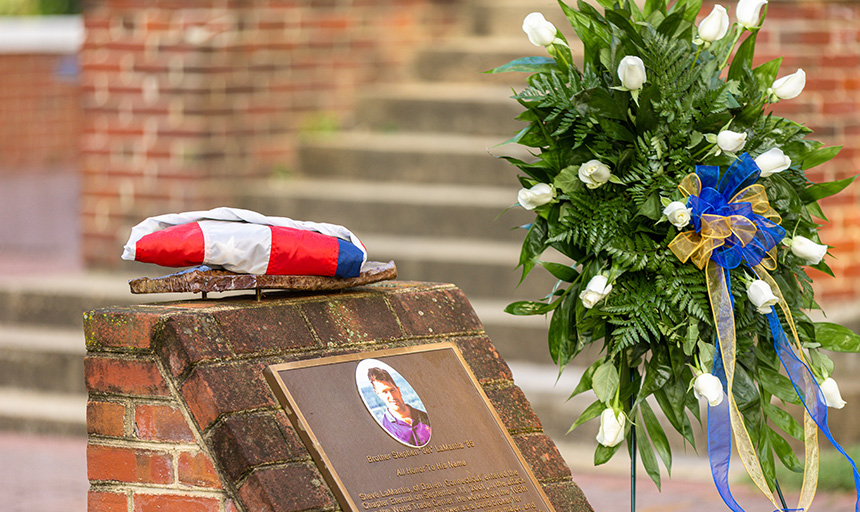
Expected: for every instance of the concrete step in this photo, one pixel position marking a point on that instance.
(470, 109)
(480, 268)
(42, 359)
(416, 158)
(465, 59)
(504, 18)
(43, 412)
(394, 209)
(60, 300)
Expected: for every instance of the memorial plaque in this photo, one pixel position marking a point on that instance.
(406, 430)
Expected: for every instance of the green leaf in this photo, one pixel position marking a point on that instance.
(820, 156)
(766, 73)
(658, 436)
(821, 362)
(815, 210)
(533, 246)
(654, 5)
(608, 4)
(657, 375)
(624, 24)
(765, 451)
(652, 208)
(784, 452)
(584, 383)
(561, 333)
(692, 336)
(605, 382)
(691, 9)
(559, 271)
(527, 307)
(679, 420)
(822, 190)
(777, 385)
(526, 65)
(836, 337)
(568, 180)
(590, 412)
(646, 454)
(602, 454)
(782, 419)
(743, 59)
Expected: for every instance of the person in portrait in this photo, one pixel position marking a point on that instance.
(404, 422)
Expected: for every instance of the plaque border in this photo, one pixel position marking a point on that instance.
(313, 445)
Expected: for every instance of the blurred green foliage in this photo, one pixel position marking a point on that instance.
(39, 7)
(834, 472)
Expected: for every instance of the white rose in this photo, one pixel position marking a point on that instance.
(531, 198)
(715, 25)
(772, 161)
(540, 31)
(678, 214)
(749, 12)
(790, 86)
(761, 296)
(730, 141)
(806, 249)
(611, 430)
(830, 390)
(594, 173)
(597, 288)
(631, 71)
(708, 386)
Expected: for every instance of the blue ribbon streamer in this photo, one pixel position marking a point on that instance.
(798, 373)
(714, 199)
(720, 439)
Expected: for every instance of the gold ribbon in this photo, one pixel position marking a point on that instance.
(810, 429)
(698, 247)
(721, 308)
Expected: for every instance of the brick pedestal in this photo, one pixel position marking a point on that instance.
(180, 417)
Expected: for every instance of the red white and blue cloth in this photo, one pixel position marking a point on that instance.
(244, 241)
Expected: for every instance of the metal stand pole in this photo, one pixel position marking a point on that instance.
(633, 469)
(779, 493)
(634, 374)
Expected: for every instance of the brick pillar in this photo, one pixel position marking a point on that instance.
(180, 416)
(186, 101)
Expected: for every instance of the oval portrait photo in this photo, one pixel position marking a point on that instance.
(393, 403)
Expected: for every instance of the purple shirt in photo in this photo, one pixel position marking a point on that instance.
(416, 434)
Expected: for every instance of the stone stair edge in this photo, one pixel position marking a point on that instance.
(413, 194)
(423, 91)
(405, 141)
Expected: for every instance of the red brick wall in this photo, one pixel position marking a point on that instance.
(823, 38)
(184, 99)
(181, 419)
(39, 112)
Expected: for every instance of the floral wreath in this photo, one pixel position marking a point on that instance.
(688, 219)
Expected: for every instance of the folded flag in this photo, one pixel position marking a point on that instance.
(246, 242)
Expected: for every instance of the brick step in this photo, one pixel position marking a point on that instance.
(471, 109)
(394, 209)
(416, 158)
(43, 412)
(43, 360)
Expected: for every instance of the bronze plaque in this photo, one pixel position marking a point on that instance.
(406, 430)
